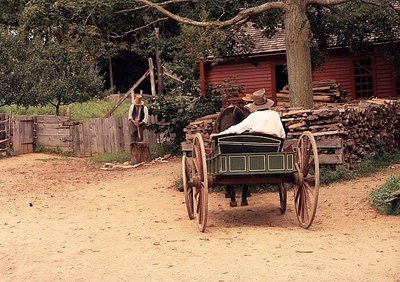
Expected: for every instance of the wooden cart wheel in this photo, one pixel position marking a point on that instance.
(200, 181)
(282, 196)
(306, 186)
(187, 186)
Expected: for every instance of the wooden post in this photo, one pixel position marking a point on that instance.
(127, 93)
(152, 80)
(132, 96)
(160, 83)
(110, 70)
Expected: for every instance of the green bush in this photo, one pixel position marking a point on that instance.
(380, 195)
(164, 149)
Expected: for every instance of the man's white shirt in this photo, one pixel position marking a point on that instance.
(145, 110)
(267, 122)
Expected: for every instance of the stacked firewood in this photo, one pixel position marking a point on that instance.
(321, 122)
(204, 126)
(372, 126)
(326, 91)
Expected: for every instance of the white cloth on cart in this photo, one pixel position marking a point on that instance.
(266, 121)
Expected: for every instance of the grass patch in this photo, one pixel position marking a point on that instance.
(120, 157)
(380, 195)
(362, 169)
(53, 151)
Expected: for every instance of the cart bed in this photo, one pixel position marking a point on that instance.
(249, 154)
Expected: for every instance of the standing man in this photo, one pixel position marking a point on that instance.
(138, 117)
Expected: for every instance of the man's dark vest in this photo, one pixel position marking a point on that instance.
(135, 110)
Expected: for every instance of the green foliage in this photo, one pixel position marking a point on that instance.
(176, 112)
(34, 74)
(164, 149)
(380, 195)
(356, 25)
(120, 157)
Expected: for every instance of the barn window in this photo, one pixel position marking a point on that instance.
(363, 78)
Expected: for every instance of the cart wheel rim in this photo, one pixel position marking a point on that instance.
(306, 193)
(199, 171)
(187, 188)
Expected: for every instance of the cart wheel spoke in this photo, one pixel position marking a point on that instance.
(200, 181)
(187, 186)
(306, 192)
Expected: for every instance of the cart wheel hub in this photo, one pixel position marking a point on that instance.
(196, 181)
(299, 178)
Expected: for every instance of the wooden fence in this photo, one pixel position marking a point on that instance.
(22, 135)
(84, 139)
(53, 132)
(106, 135)
(5, 125)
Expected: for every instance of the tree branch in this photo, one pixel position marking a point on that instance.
(242, 17)
(146, 6)
(328, 2)
(91, 13)
(139, 28)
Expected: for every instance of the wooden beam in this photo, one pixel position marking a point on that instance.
(127, 94)
(152, 79)
(202, 78)
(172, 75)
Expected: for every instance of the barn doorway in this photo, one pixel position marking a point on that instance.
(281, 77)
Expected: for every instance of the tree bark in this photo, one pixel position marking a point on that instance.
(297, 40)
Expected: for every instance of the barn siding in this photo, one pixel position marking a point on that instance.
(251, 77)
(384, 78)
(338, 66)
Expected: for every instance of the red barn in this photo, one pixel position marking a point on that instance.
(361, 77)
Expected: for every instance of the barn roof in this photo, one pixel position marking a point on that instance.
(263, 44)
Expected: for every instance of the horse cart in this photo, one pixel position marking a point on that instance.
(252, 159)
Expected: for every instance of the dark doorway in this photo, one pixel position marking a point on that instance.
(281, 77)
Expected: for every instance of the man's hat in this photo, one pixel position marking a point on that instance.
(261, 102)
(138, 100)
(248, 97)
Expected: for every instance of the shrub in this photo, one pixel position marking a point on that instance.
(379, 197)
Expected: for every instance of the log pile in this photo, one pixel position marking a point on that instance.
(204, 126)
(365, 128)
(326, 91)
(373, 127)
(321, 122)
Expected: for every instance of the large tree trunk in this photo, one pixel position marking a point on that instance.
(297, 39)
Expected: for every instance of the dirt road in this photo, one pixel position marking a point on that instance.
(65, 219)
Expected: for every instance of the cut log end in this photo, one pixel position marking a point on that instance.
(140, 152)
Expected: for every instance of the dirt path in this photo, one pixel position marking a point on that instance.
(65, 219)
